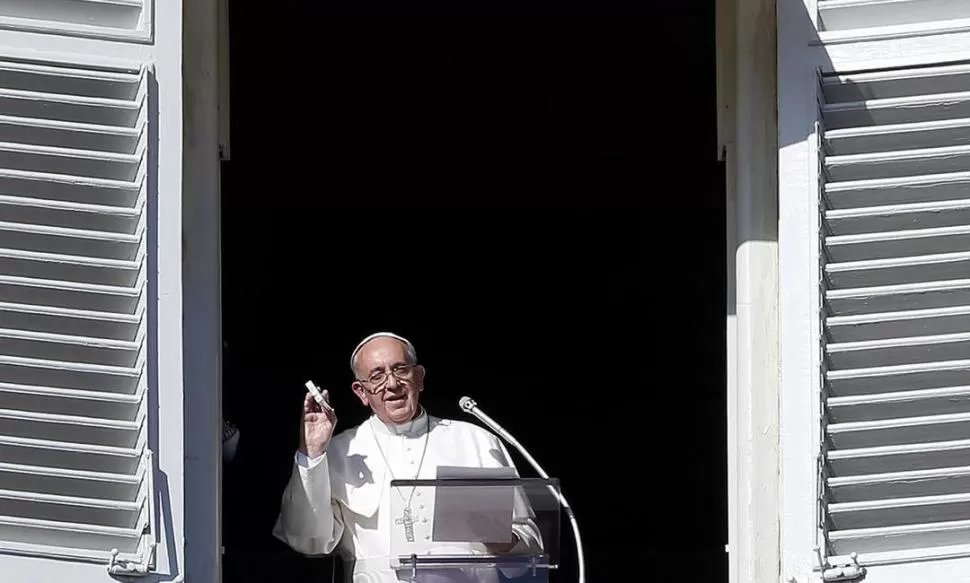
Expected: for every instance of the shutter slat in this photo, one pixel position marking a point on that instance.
(70, 448)
(70, 455)
(81, 376)
(51, 318)
(39, 398)
(947, 320)
(103, 13)
(899, 431)
(901, 377)
(68, 180)
(70, 107)
(67, 534)
(73, 366)
(72, 350)
(899, 458)
(69, 313)
(94, 270)
(67, 474)
(70, 294)
(908, 484)
(97, 433)
(857, 194)
(871, 140)
(82, 217)
(71, 286)
(898, 270)
(72, 161)
(888, 244)
(840, 15)
(900, 511)
(90, 511)
(71, 207)
(104, 244)
(925, 160)
(894, 110)
(84, 423)
(843, 87)
(8, 521)
(83, 341)
(894, 351)
(74, 479)
(82, 136)
(895, 241)
(883, 220)
(906, 296)
(82, 81)
(91, 260)
(62, 500)
(899, 404)
(872, 540)
(38, 391)
(67, 482)
(60, 187)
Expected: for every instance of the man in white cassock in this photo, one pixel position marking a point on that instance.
(339, 499)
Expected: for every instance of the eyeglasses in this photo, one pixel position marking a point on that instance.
(377, 380)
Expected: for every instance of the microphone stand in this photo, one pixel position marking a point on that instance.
(469, 406)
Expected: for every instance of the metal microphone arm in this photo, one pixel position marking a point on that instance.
(468, 405)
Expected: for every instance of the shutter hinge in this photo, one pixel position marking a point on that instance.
(128, 568)
(145, 561)
(849, 572)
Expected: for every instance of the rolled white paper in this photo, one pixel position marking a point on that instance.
(318, 396)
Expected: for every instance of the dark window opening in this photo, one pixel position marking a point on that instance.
(532, 196)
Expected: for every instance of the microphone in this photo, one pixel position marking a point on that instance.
(468, 405)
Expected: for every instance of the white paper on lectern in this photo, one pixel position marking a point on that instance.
(480, 514)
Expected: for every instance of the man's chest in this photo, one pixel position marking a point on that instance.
(407, 458)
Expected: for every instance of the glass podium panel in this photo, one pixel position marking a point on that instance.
(475, 529)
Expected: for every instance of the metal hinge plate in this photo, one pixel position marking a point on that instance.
(848, 572)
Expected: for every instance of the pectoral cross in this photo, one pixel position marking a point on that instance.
(408, 521)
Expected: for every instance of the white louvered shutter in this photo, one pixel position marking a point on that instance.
(895, 306)
(75, 468)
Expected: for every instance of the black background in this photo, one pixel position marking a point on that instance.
(530, 192)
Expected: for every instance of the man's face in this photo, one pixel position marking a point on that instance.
(387, 382)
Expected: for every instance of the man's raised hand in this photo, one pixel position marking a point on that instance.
(316, 426)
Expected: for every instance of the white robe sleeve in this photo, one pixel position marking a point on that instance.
(523, 517)
(310, 520)
(529, 539)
